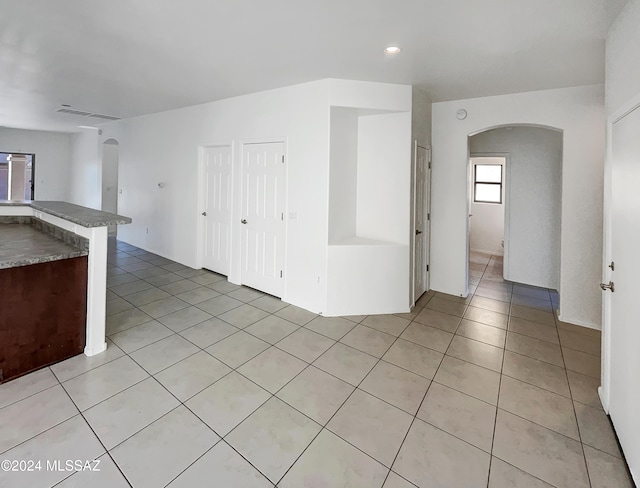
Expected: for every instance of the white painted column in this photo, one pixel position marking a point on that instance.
(96, 291)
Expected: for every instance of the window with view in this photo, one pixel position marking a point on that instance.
(487, 183)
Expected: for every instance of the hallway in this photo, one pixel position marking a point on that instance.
(205, 380)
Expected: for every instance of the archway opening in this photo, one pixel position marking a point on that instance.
(514, 224)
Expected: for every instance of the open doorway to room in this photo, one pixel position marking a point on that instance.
(515, 196)
(110, 156)
(486, 216)
(17, 176)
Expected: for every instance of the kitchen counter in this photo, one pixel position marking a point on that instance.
(86, 217)
(22, 244)
(85, 230)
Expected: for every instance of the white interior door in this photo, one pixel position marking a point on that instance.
(263, 225)
(421, 237)
(624, 330)
(217, 208)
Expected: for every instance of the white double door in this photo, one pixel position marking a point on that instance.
(260, 215)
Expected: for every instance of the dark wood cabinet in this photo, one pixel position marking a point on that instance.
(43, 310)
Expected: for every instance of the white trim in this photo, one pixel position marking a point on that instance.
(483, 251)
(412, 231)
(578, 322)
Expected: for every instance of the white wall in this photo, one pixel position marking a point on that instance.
(534, 186)
(110, 177)
(579, 113)
(165, 148)
(368, 269)
(384, 177)
(622, 79)
(486, 227)
(52, 150)
(85, 174)
(343, 173)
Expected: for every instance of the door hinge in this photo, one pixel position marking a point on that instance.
(427, 268)
(282, 216)
(283, 158)
(429, 216)
(280, 273)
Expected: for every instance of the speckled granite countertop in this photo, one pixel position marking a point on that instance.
(86, 217)
(22, 245)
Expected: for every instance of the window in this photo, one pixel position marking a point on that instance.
(17, 185)
(487, 183)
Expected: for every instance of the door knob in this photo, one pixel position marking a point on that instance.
(418, 232)
(204, 214)
(606, 287)
(243, 221)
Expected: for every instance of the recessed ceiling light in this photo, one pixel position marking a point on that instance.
(392, 50)
(87, 127)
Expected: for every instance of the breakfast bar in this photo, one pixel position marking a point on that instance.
(53, 259)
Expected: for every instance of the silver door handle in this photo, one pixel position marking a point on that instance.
(243, 221)
(606, 287)
(204, 214)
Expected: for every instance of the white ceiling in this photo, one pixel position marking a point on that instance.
(128, 58)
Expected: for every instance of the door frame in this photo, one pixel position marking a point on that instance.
(238, 205)
(427, 222)
(506, 177)
(201, 199)
(605, 375)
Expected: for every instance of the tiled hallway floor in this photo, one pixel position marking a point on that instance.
(206, 383)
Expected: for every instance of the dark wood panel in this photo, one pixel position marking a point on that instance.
(43, 309)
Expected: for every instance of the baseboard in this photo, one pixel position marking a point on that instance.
(497, 253)
(605, 407)
(579, 322)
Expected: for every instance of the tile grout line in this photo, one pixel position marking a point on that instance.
(274, 345)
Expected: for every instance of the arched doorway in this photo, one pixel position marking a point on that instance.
(110, 155)
(514, 198)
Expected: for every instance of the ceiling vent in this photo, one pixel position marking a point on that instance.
(106, 117)
(81, 113)
(73, 112)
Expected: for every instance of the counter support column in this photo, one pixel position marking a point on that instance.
(96, 291)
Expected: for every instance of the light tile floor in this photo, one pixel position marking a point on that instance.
(206, 383)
